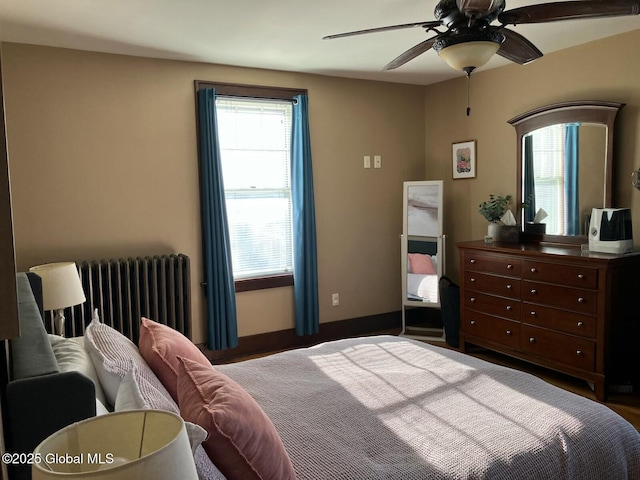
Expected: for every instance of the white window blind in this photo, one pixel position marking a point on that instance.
(548, 167)
(255, 137)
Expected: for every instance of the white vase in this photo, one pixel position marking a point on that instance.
(493, 231)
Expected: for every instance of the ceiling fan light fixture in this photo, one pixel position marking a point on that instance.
(469, 55)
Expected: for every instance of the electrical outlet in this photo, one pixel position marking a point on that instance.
(367, 161)
(377, 161)
(335, 299)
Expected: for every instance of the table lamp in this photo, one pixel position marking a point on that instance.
(130, 445)
(61, 288)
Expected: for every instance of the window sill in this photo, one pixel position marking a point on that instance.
(275, 281)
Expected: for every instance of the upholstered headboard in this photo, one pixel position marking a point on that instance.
(40, 400)
(30, 353)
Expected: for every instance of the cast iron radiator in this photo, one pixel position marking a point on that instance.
(124, 290)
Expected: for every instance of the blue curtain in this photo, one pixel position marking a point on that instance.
(529, 185)
(305, 263)
(219, 284)
(572, 209)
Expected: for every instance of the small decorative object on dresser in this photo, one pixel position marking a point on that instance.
(493, 210)
(554, 306)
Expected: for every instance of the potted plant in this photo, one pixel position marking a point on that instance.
(493, 210)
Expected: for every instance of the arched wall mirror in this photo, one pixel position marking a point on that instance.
(565, 168)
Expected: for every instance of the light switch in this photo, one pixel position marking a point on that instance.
(367, 161)
(377, 161)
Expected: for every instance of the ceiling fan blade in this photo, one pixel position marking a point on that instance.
(551, 12)
(427, 25)
(517, 48)
(411, 53)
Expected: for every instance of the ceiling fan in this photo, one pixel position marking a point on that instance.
(469, 39)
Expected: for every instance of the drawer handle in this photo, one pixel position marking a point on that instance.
(580, 324)
(580, 276)
(533, 270)
(473, 299)
(533, 313)
(532, 340)
(508, 332)
(509, 286)
(579, 352)
(472, 280)
(472, 322)
(509, 267)
(581, 300)
(509, 308)
(473, 260)
(534, 291)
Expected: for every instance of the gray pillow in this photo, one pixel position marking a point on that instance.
(72, 357)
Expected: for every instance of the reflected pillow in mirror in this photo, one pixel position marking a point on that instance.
(421, 263)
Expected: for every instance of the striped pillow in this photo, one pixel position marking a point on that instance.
(113, 355)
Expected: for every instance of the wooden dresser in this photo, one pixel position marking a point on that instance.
(558, 307)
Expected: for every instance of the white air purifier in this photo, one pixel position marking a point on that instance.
(610, 230)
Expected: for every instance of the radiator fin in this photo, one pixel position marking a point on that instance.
(124, 290)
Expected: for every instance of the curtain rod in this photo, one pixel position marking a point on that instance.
(261, 99)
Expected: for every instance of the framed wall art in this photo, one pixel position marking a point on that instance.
(464, 159)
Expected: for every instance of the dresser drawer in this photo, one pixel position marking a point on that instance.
(502, 307)
(567, 275)
(498, 330)
(561, 320)
(492, 284)
(492, 264)
(570, 350)
(574, 299)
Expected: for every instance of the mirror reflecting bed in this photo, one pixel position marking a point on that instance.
(422, 271)
(422, 230)
(565, 167)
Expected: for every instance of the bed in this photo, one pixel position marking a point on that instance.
(385, 407)
(422, 287)
(422, 272)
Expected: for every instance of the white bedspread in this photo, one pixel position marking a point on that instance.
(422, 287)
(394, 408)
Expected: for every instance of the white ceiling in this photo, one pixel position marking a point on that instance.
(274, 34)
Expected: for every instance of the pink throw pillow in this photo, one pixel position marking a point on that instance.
(243, 442)
(421, 263)
(160, 347)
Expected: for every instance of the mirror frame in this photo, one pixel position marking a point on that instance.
(590, 111)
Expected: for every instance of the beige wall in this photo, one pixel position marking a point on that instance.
(103, 160)
(102, 151)
(608, 69)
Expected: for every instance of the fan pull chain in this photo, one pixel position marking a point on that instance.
(468, 71)
(468, 87)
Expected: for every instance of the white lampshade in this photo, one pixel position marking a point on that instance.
(469, 55)
(131, 445)
(61, 285)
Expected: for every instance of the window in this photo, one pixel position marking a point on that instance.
(255, 138)
(254, 134)
(548, 167)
